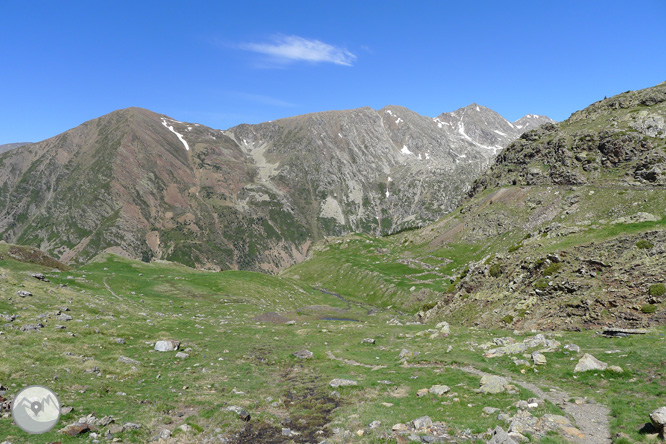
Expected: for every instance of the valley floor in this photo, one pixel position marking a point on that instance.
(238, 376)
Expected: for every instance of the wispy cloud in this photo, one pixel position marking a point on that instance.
(259, 98)
(291, 48)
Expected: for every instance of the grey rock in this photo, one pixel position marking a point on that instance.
(523, 422)
(167, 345)
(303, 354)
(375, 424)
(501, 437)
(538, 358)
(572, 347)
(165, 434)
(421, 423)
(286, 432)
(588, 363)
(491, 384)
(64, 317)
(127, 360)
(119, 341)
(439, 390)
(444, 328)
(32, 327)
(342, 383)
(490, 410)
(23, 293)
(131, 426)
(658, 419)
(181, 355)
(368, 341)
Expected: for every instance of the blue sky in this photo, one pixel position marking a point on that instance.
(223, 63)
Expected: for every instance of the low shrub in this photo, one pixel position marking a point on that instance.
(657, 290)
(552, 269)
(649, 308)
(644, 245)
(541, 284)
(495, 270)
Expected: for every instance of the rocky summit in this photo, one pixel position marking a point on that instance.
(146, 186)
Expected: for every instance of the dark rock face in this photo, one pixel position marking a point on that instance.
(617, 141)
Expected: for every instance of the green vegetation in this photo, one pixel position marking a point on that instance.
(551, 269)
(495, 270)
(648, 308)
(644, 245)
(657, 290)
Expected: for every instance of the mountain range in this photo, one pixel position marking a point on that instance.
(566, 230)
(146, 186)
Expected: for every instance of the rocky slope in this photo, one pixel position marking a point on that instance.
(566, 230)
(10, 146)
(582, 207)
(147, 186)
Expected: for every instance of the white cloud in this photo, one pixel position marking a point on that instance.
(293, 48)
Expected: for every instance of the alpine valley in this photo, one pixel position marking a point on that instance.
(354, 276)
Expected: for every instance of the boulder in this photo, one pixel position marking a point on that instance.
(538, 358)
(501, 437)
(589, 362)
(167, 345)
(181, 355)
(368, 341)
(422, 423)
(23, 293)
(658, 419)
(491, 384)
(422, 392)
(444, 328)
(75, 429)
(439, 390)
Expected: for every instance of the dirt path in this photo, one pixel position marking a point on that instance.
(590, 417)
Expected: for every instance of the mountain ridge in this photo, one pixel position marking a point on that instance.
(148, 186)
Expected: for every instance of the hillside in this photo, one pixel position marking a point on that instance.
(10, 146)
(566, 230)
(270, 359)
(255, 197)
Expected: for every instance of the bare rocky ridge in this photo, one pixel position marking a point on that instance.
(146, 186)
(10, 146)
(584, 204)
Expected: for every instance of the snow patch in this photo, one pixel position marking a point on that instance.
(500, 133)
(180, 136)
(477, 108)
(405, 150)
(340, 135)
(427, 156)
(388, 111)
(398, 120)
